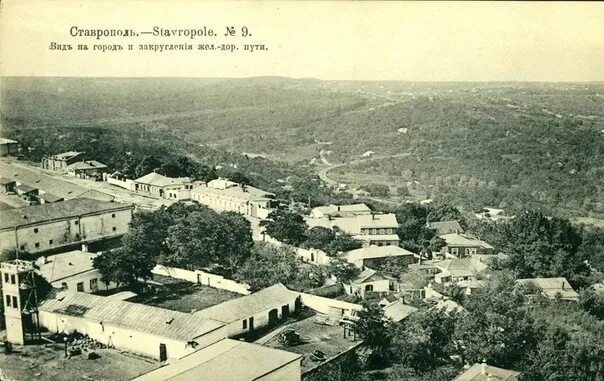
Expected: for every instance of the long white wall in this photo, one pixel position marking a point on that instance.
(203, 278)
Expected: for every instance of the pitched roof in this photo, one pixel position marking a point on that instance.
(553, 286)
(374, 251)
(398, 311)
(49, 197)
(25, 188)
(96, 195)
(475, 373)
(60, 266)
(249, 305)
(88, 164)
(139, 317)
(4, 181)
(159, 180)
(343, 209)
(247, 193)
(66, 155)
(226, 360)
(446, 227)
(461, 266)
(353, 224)
(455, 239)
(46, 212)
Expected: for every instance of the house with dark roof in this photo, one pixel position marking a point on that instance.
(262, 308)
(136, 328)
(7, 185)
(59, 162)
(8, 147)
(446, 227)
(88, 169)
(484, 372)
(50, 226)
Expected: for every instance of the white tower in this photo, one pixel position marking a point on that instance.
(20, 300)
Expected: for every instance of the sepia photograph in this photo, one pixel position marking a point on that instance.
(301, 191)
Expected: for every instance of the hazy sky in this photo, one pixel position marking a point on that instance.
(336, 40)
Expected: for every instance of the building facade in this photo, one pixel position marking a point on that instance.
(61, 161)
(50, 226)
(160, 186)
(8, 147)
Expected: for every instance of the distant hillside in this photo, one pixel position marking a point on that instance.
(513, 145)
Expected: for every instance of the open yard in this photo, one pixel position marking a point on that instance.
(184, 296)
(35, 362)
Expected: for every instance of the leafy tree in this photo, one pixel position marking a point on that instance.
(422, 342)
(373, 327)
(319, 237)
(344, 271)
(147, 165)
(592, 301)
(285, 226)
(268, 265)
(376, 190)
(342, 243)
(11, 254)
(124, 267)
(240, 178)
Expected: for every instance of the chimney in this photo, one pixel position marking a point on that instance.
(563, 285)
(373, 216)
(338, 208)
(483, 368)
(85, 247)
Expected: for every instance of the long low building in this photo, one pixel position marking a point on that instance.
(372, 229)
(222, 194)
(254, 311)
(145, 330)
(50, 226)
(231, 360)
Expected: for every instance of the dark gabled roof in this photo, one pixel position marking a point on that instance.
(46, 212)
(446, 227)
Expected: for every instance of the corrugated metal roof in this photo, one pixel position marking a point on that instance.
(139, 317)
(271, 297)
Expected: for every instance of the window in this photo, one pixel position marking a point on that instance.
(93, 285)
(22, 247)
(381, 231)
(244, 323)
(37, 244)
(80, 286)
(13, 280)
(5, 278)
(113, 215)
(76, 222)
(50, 241)
(114, 228)
(373, 231)
(8, 300)
(15, 302)
(380, 244)
(64, 285)
(454, 251)
(35, 230)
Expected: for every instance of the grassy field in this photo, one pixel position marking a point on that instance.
(35, 362)
(185, 297)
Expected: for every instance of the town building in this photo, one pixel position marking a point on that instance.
(50, 226)
(27, 193)
(446, 227)
(7, 185)
(89, 169)
(460, 269)
(398, 311)
(231, 360)
(339, 210)
(8, 147)
(160, 186)
(371, 229)
(463, 246)
(257, 310)
(61, 161)
(553, 288)
(484, 372)
(374, 255)
(136, 328)
(492, 214)
(222, 194)
(370, 280)
(72, 271)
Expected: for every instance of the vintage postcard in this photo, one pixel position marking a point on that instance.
(301, 191)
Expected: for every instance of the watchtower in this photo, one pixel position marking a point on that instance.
(20, 300)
